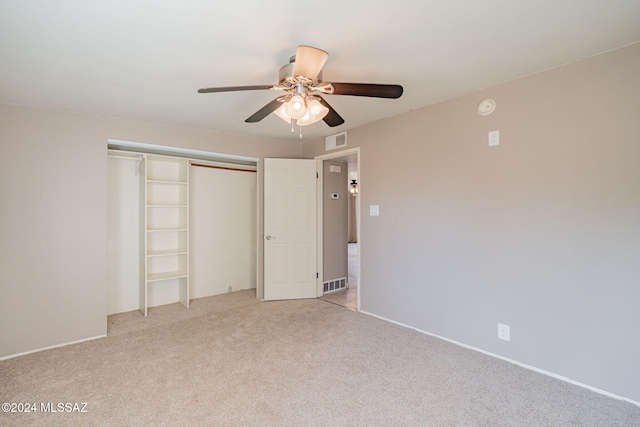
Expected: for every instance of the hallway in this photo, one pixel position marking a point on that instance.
(348, 297)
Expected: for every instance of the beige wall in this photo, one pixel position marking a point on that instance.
(334, 221)
(541, 233)
(53, 220)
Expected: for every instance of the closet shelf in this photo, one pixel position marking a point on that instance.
(163, 182)
(156, 277)
(166, 252)
(165, 213)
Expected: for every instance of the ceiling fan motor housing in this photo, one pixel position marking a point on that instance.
(287, 78)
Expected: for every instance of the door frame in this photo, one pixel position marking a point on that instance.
(319, 163)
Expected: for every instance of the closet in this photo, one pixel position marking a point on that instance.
(179, 227)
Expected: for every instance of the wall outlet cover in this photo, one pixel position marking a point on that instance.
(504, 332)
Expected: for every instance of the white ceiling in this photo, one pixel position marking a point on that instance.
(145, 60)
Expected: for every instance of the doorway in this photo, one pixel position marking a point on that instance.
(339, 217)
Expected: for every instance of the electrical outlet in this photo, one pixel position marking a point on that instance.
(229, 289)
(503, 332)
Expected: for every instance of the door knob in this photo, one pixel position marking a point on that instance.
(269, 237)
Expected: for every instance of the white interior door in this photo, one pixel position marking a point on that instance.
(290, 267)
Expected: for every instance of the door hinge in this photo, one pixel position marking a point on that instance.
(317, 276)
(317, 175)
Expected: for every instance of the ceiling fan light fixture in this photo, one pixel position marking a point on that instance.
(315, 112)
(296, 107)
(316, 108)
(306, 120)
(282, 113)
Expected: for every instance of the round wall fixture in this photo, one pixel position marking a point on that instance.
(486, 107)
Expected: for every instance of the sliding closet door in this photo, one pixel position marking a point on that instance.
(123, 207)
(223, 231)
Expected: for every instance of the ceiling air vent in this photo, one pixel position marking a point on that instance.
(338, 140)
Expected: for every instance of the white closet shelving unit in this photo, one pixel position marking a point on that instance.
(164, 225)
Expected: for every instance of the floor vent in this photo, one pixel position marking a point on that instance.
(335, 285)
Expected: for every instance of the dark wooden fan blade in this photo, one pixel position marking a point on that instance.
(368, 89)
(332, 118)
(234, 88)
(264, 111)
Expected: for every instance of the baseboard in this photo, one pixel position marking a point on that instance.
(11, 356)
(515, 362)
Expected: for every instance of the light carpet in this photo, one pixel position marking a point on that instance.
(230, 360)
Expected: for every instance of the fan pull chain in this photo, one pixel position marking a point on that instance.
(291, 125)
(300, 127)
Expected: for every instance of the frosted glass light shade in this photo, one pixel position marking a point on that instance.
(315, 112)
(282, 113)
(295, 107)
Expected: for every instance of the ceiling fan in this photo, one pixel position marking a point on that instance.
(301, 80)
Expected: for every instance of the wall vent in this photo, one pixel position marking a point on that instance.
(334, 285)
(338, 140)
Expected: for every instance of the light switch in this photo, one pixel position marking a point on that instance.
(374, 210)
(494, 138)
